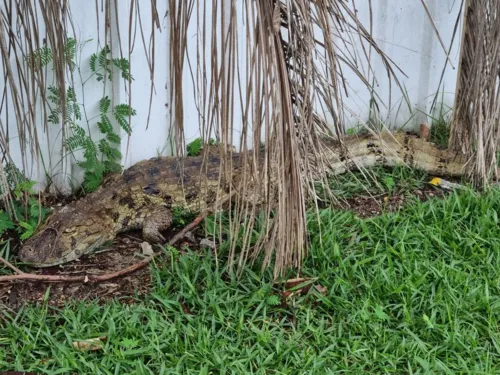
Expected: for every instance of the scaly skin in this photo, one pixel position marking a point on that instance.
(141, 197)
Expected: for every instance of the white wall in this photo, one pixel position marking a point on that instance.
(401, 27)
(405, 33)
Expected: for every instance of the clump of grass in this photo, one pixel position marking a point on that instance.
(440, 129)
(412, 292)
(440, 132)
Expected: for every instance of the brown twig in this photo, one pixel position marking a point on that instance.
(85, 278)
(24, 276)
(12, 267)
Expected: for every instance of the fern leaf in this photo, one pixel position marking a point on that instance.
(37, 210)
(110, 152)
(102, 127)
(86, 165)
(45, 56)
(54, 116)
(113, 137)
(54, 96)
(71, 95)
(40, 57)
(114, 154)
(93, 62)
(90, 152)
(5, 222)
(103, 56)
(104, 62)
(29, 229)
(74, 142)
(124, 65)
(112, 167)
(104, 146)
(105, 125)
(273, 300)
(77, 111)
(92, 181)
(78, 130)
(104, 105)
(124, 110)
(69, 113)
(77, 139)
(121, 113)
(124, 124)
(70, 52)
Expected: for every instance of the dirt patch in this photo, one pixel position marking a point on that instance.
(123, 252)
(368, 206)
(126, 250)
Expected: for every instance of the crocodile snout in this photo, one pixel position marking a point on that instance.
(42, 249)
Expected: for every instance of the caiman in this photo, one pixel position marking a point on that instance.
(143, 196)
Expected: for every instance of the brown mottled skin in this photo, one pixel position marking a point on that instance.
(139, 198)
(142, 196)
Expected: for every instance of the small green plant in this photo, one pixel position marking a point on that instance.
(194, 148)
(389, 183)
(182, 216)
(6, 222)
(103, 156)
(356, 129)
(43, 56)
(101, 65)
(273, 300)
(28, 211)
(440, 125)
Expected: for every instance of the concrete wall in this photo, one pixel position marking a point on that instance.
(405, 33)
(401, 28)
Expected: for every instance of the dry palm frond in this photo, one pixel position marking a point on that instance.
(474, 127)
(294, 54)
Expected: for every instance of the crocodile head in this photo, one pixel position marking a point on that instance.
(65, 240)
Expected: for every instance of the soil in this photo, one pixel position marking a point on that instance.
(126, 250)
(368, 206)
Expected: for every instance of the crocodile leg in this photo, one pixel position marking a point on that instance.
(157, 220)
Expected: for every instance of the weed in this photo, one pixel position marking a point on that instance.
(440, 127)
(194, 148)
(100, 157)
(28, 212)
(181, 216)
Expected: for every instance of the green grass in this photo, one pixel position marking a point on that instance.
(440, 132)
(440, 127)
(413, 292)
